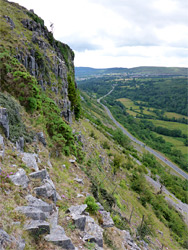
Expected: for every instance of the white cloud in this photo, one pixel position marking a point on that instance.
(119, 33)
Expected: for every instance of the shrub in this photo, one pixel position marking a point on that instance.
(105, 145)
(91, 204)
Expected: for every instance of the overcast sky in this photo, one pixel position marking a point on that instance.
(119, 33)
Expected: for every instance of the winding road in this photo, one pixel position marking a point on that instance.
(158, 155)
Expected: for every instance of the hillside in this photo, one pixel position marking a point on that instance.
(132, 72)
(143, 107)
(69, 178)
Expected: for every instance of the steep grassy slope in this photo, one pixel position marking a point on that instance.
(90, 157)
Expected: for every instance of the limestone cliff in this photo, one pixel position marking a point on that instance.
(50, 61)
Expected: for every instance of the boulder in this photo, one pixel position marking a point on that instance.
(47, 190)
(58, 237)
(101, 208)
(77, 210)
(49, 164)
(9, 21)
(107, 220)
(21, 244)
(41, 138)
(2, 146)
(32, 212)
(30, 160)
(37, 226)
(80, 222)
(39, 204)
(20, 144)
(7, 240)
(42, 174)
(4, 238)
(20, 178)
(79, 180)
(93, 233)
(128, 240)
(53, 219)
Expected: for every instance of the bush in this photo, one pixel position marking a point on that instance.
(105, 145)
(16, 126)
(91, 204)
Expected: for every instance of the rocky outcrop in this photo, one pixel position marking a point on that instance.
(37, 227)
(42, 174)
(2, 146)
(92, 232)
(7, 241)
(4, 122)
(32, 212)
(20, 178)
(39, 212)
(39, 64)
(39, 204)
(58, 237)
(41, 138)
(20, 144)
(106, 219)
(9, 21)
(30, 160)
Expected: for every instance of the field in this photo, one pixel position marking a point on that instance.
(174, 115)
(171, 125)
(132, 107)
(177, 143)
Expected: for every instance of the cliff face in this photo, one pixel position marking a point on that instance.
(48, 60)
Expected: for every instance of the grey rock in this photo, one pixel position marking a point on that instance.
(47, 190)
(39, 204)
(16, 223)
(80, 195)
(41, 138)
(32, 212)
(20, 178)
(42, 174)
(9, 20)
(58, 197)
(4, 238)
(77, 210)
(21, 244)
(79, 180)
(30, 160)
(4, 122)
(53, 219)
(31, 65)
(49, 164)
(107, 220)
(37, 226)
(58, 237)
(67, 110)
(20, 144)
(94, 233)
(2, 147)
(101, 208)
(72, 160)
(80, 221)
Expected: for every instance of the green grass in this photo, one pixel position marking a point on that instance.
(130, 104)
(174, 115)
(177, 143)
(171, 125)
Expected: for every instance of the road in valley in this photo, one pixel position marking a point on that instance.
(158, 155)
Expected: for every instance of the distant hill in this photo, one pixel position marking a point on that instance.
(137, 71)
